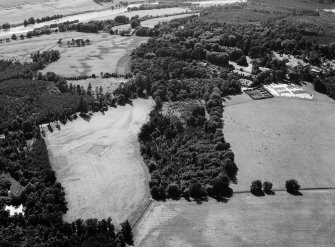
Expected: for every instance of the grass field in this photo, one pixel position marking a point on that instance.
(278, 139)
(245, 220)
(106, 53)
(99, 163)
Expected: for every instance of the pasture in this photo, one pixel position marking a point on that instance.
(106, 53)
(245, 220)
(99, 163)
(281, 138)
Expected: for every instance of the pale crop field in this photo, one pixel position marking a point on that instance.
(245, 220)
(281, 138)
(99, 162)
(16, 11)
(106, 53)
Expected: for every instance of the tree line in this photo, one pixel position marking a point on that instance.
(31, 20)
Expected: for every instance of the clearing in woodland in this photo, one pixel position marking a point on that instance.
(99, 163)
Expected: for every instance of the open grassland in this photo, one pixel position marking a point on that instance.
(279, 220)
(278, 139)
(99, 163)
(106, 53)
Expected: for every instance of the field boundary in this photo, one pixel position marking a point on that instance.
(138, 214)
(283, 190)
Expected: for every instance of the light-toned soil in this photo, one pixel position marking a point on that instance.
(245, 220)
(281, 138)
(107, 53)
(99, 163)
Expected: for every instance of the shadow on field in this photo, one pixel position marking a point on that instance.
(269, 192)
(295, 193)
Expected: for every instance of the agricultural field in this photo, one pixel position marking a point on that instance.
(245, 220)
(17, 11)
(105, 53)
(99, 163)
(281, 138)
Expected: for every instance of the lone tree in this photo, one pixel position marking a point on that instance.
(292, 185)
(267, 187)
(256, 188)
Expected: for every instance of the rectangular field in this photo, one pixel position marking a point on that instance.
(245, 220)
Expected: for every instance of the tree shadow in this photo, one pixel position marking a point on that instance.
(269, 192)
(258, 193)
(58, 127)
(50, 128)
(295, 192)
(221, 199)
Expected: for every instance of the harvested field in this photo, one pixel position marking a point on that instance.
(281, 138)
(99, 163)
(279, 220)
(18, 10)
(107, 53)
